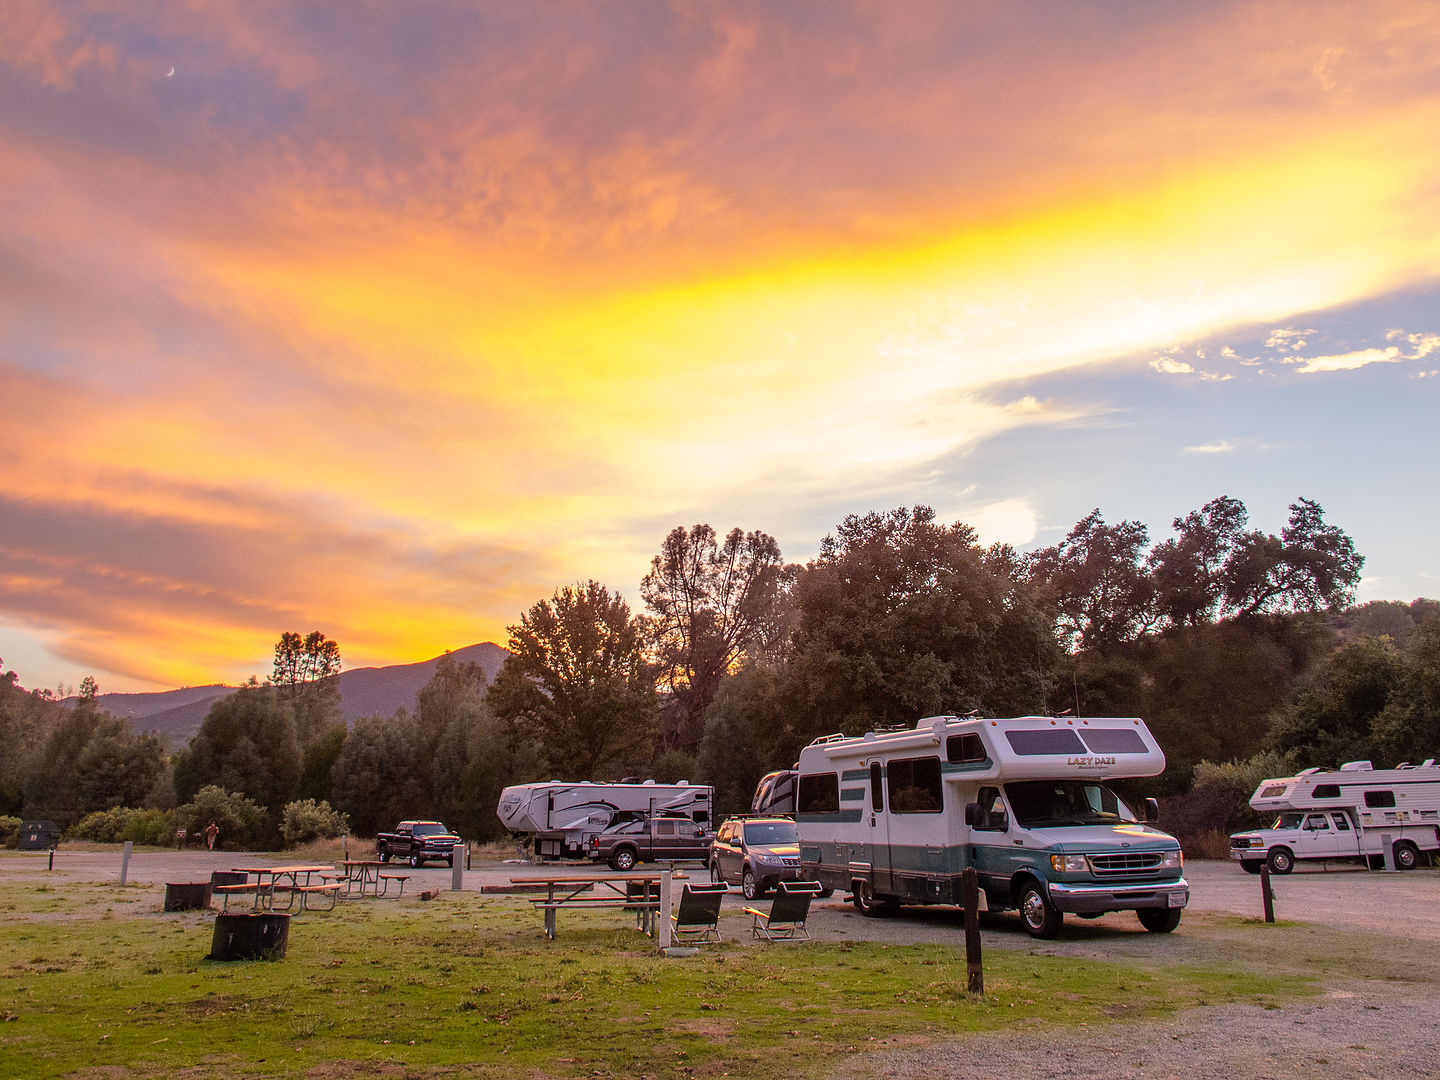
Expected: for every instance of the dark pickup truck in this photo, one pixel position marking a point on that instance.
(418, 841)
(650, 840)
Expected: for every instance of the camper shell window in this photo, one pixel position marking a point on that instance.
(819, 793)
(964, 749)
(1114, 741)
(1274, 791)
(1045, 742)
(915, 786)
(1327, 791)
(1379, 798)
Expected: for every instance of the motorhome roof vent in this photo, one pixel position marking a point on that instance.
(1356, 766)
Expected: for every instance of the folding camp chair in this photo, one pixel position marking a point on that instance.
(785, 921)
(699, 913)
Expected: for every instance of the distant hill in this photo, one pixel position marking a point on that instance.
(176, 715)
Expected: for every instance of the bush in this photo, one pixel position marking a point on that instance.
(1219, 803)
(121, 823)
(9, 830)
(307, 820)
(241, 820)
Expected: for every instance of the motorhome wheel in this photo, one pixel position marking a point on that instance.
(1281, 860)
(867, 904)
(1041, 918)
(1159, 920)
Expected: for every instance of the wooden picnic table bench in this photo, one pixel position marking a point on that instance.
(579, 893)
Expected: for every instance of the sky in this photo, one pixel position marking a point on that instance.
(390, 319)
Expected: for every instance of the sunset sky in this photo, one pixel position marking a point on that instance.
(389, 319)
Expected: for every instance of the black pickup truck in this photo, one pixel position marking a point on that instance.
(650, 840)
(418, 841)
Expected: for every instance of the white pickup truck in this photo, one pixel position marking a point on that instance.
(1382, 817)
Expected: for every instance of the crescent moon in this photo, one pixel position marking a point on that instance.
(170, 72)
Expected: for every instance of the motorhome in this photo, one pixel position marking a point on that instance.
(896, 817)
(1383, 817)
(561, 817)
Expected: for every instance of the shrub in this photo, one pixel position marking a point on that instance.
(123, 823)
(9, 830)
(307, 820)
(241, 820)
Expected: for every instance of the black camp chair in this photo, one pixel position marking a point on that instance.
(699, 913)
(785, 921)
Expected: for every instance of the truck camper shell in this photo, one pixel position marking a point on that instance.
(561, 816)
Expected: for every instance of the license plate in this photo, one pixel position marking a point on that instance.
(1178, 899)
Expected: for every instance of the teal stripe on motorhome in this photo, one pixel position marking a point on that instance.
(830, 819)
(852, 794)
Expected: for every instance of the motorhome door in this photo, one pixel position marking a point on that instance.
(878, 833)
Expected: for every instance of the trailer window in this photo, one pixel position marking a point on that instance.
(964, 749)
(819, 794)
(1379, 798)
(915, 786)
(1114, 741)
(1327, 791)
(1048, 741)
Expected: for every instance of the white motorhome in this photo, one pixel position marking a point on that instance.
(1383, 817)
(895, 817)
(561, 816)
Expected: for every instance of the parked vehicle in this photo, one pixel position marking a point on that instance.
(561, 817)
(659, 839)
(1354, 812)
(756, 853)
(896, 817)
(775, 794)
(418, 841)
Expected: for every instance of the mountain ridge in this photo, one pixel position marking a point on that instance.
(176, 715)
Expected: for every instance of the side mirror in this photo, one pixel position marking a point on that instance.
(1152, 810)
(973, 817)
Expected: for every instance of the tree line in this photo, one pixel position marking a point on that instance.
(1239, 647)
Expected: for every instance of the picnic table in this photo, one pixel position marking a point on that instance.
(368, 876)
(637, 892)
(294, 879)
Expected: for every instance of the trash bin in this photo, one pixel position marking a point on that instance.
(38, 835)
(260, 935)
(187, 895)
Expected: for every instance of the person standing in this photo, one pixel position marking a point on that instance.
(211, 832)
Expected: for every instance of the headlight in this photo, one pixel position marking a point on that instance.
(1172, 860)
(1069, 864)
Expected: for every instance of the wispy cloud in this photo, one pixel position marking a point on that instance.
(1350, 361)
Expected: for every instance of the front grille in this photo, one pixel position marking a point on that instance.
(790, 862)
(1130, 863)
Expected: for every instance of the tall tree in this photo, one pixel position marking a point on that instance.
(576, 681)
(711, 601)
(901, 617)
(1096, 577)
(246, 744)
(306, 673)
(376, 779)
(1310, 566)
(1189, 571)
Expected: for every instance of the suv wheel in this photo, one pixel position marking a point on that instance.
(749, 886)
(716, 877)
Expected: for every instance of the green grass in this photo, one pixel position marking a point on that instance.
(96, 981)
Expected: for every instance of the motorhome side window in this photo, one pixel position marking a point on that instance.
(1327, 791)
(819, 793)
(964, 749)
(1114, 741)
(1045, 741)
(1379, 798)
(915, 786)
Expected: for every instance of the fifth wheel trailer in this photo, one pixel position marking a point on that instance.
(562, 816)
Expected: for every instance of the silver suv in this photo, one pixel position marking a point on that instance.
(756, 853)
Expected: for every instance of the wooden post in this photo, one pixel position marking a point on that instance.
(125, 854)
(1266, 894)
(970, 897)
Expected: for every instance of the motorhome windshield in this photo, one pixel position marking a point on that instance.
(770, 832)
(1050, 804)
